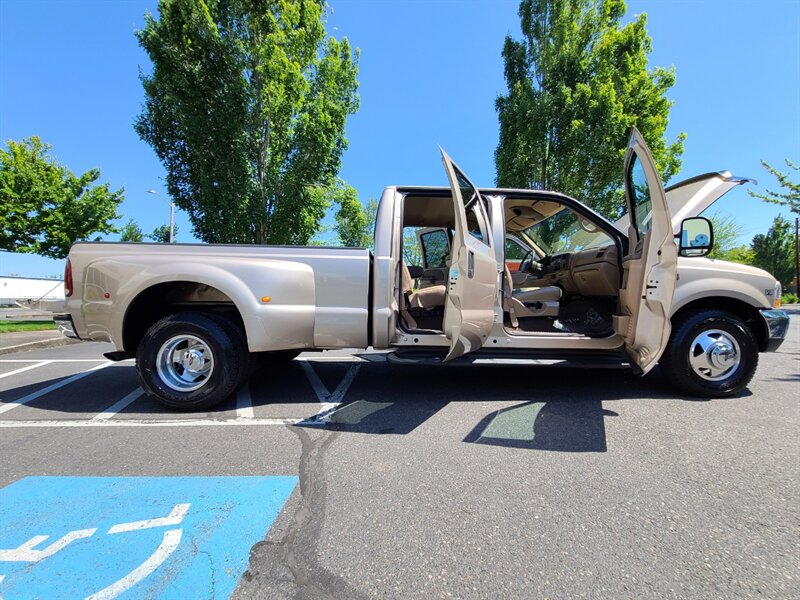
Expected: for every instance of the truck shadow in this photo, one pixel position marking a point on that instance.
(553, 409)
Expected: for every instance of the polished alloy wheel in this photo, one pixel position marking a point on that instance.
(185, 363)
(714, 355)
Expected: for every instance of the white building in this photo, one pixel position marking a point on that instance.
(16, 288)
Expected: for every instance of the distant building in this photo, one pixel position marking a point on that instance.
(17, 288)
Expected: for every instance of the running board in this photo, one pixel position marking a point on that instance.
(598, 359)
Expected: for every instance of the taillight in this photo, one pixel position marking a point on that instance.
(68, 279)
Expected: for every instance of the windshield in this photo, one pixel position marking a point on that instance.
(565, 232)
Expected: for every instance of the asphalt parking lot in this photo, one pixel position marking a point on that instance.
(342, 476)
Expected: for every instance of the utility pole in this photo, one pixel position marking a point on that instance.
(796, 258)
(171, 215)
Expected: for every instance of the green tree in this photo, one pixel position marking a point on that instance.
(774, 251)
(45, 207)
(161, 234)
(726, 234)
(131, 232)
(577, 82)
(791, 197)
(246, 108)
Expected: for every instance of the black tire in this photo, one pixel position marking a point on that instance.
(723, 327)
(229, 364)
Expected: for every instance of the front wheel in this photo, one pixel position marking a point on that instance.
(191, 361)
(711, 354)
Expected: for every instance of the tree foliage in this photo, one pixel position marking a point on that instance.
(131, 232)
(246, 108)
(790, 197)
(774, 252)
(161, 234)
(726, 234)
(577, 82)
(45, 207)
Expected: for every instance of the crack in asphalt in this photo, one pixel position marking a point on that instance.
(297, 551)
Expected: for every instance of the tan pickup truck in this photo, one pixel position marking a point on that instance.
(504, 276)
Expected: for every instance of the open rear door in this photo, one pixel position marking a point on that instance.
(472, 278)
(651, 264)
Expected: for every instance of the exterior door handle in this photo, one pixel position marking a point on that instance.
(471, 264)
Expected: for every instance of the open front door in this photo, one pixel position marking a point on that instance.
(472, 278)
(651, 265)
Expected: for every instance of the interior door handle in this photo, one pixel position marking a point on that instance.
(471, 264)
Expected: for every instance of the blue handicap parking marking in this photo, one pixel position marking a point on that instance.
(133, 537)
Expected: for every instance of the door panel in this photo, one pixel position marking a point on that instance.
(472, 278)
(650, 268)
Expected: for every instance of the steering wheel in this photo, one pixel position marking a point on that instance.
(587, 225)
(528, 265)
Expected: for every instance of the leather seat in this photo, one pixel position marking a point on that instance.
(427, 297)
(532, 295)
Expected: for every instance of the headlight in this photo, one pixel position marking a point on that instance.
(776, 303)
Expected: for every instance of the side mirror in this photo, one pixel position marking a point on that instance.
(696, 237)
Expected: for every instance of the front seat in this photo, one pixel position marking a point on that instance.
(530, 301)
(427, 297)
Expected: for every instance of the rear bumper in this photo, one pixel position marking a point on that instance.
(777, 324)
(65, 326)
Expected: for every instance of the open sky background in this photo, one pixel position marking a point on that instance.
(429, 72)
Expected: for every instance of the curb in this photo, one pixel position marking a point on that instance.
(54, 342)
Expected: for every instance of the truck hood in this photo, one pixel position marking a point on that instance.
(691, 197)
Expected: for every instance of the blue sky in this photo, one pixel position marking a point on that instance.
(430, 72)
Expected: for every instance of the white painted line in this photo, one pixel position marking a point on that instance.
(347, 358)
(26, 552)
(58, 360)
(168, 544)
(75, 423)
(173, 518)
(118, 406)
(323, 416)
(338, 394)
(28, 368)
(244, 403)
(51, 388)
(320, 390)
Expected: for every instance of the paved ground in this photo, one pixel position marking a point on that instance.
(453, 482)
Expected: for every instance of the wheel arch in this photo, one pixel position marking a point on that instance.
(744, 310)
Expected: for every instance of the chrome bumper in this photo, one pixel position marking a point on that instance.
(65, 326)
(777, 324)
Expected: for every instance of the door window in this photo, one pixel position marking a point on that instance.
(435, 248)
(640, 193)
(514, 254)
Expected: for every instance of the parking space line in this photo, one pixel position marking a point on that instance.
(66, 424)
(338, 394)
(331, 359)
(50, 388)
(316, 383)
(118, 406)
(28, 368)
(57, 360)
(244, 403)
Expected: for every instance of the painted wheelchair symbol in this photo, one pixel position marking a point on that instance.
(28, 552)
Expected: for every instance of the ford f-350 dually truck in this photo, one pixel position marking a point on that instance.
(505, 275)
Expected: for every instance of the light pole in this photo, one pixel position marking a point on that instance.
(171, 215)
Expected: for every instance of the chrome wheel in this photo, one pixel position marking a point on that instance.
(185, 363)
(714, 355)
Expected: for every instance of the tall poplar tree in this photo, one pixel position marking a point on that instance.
(577, 82)
(246, 108)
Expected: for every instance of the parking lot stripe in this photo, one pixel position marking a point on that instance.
(338, 394)
(28, 368)
(57, 360)
(118, 406)
(320, 390)
(50, 388)
(146, 423)
(244, 403)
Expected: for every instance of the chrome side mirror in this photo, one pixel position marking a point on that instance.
(696, 237)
